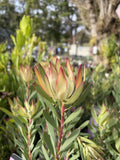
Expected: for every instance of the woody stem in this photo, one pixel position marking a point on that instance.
(61, 131)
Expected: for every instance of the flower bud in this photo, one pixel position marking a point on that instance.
(26, 73)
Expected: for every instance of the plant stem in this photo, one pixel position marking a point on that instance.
(61, 130)
(28, 88)
(29, 135)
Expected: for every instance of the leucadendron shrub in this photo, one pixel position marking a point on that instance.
(21, 54)
(59, 85)
(46, 127)
(104, 127)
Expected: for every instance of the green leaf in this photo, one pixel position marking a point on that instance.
(115, 133)
(69, 140)
(28, 31)
(83, 95)
(7, 112)
(37, 114)
(24, 157)
(81, 148)
(108, 139)
(22, 119)
(32, 141)
(32, 95)
(84, 124)
(45, 153)
(26, 26)
(23, 133)
(36, 149)
(92, 144)
(103, 118)
(20, 144)
(41, 100)
(94, 114)
(42, 93)
(73, 115)
(13, 39)
(25, 154)
(49, 119)
(111, 150)
(75, 95)
(48, 142)
(18, 122)
(117, 144)
(52, 108)
(52, 134)
(33, 132)
(74, 157)
(71, 125)
(20, 39)
(112, 123)
(118, 158)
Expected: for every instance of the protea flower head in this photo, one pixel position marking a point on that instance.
(26, 73)
(17, 109)
(59, 83)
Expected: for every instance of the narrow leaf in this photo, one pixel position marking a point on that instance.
(38, 114)
(42, 93)
(94, 114)
(7, 112)
(48, 142)
(45, 153)
(83, 95)
(75, 95)
(84, 124)
(52, 134)
(49, 119)
(73, 115)
(117, 144)
(32, 95)
(36, 148)
(23, 132)
(70, 139)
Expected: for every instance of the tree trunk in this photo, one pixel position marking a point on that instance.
(92, 17)
(100, 17)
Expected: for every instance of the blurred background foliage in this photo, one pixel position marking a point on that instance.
(57, 20)
(43, 25)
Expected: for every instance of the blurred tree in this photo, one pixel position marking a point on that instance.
(9, 19)
(99, 17)
(53, 19)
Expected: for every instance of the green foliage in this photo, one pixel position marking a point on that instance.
(48, 22)
(5, 150)
(102, 87)
(24, 44)
(104, 97)
(21, 55)
(4, 58)
(9, 20)
(11, 82)
(89, 149)
(109, 49)
(104, 126)
(34, 113)
(7, 130)
(116, 78)
(26, 26)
